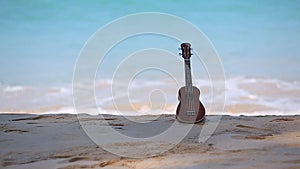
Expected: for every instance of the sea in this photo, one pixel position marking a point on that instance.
(257, 44)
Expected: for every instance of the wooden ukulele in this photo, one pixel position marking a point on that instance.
(190, 109)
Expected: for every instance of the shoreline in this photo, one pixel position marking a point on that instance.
(244, 95)
(256, 114)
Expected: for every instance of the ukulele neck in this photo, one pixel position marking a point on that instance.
(188, 75)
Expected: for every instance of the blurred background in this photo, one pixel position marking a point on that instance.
(41, 39)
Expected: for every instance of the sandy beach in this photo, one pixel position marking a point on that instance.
(59, 141)
(95, 84)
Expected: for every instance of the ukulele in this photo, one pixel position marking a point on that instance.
(190, 109)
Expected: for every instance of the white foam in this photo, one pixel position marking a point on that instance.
(64, 110)
(13, 89)
(23, 97)
(260, 113)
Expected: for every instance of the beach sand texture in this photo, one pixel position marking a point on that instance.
(58, 141)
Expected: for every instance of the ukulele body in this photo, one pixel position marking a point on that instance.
(186, 113)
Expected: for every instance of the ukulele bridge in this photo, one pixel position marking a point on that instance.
(191, 113)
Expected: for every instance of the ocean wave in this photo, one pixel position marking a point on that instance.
(244, 96)
(13, 89)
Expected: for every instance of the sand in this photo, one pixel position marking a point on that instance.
(59, 141)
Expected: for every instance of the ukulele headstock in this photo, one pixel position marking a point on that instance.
(186, 50)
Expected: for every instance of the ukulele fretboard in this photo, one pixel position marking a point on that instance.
(188, 75)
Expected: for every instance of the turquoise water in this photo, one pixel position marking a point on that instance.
(40, 40)
(257, 42)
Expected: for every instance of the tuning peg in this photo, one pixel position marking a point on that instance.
(179, 54)
(179, 48)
